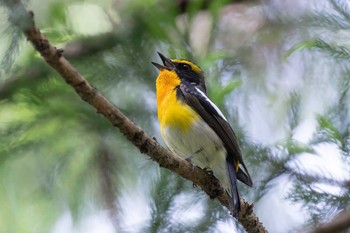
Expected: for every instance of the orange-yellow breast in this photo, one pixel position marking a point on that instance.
(172, 112)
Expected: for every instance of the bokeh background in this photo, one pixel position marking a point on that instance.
(279, 70)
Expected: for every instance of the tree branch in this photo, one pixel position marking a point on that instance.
(73, 50)
(91, 45)
(339, 224)
(146, 144)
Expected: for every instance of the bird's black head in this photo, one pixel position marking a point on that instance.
(187, 71)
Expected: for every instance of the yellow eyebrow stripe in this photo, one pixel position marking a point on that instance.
(193, 66)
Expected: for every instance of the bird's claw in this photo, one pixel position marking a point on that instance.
(208, 171)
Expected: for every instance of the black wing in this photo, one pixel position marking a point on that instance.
(216, 120)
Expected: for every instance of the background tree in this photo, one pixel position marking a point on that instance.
(279, 72)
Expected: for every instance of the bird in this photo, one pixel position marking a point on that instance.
(194, 128)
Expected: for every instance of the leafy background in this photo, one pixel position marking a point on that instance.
(278, 70)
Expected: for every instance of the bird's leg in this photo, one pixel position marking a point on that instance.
(189, 158)
(206, 169)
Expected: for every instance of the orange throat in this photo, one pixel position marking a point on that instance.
(172, 112)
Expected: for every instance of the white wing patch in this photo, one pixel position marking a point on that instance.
(212, 104)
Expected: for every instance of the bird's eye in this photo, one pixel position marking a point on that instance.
(185, 66)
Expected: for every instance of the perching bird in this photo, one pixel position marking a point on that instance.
(194, 128)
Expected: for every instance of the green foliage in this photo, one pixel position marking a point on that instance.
(58, 155)
(218, 93)
(12, 50)
(329, 130)
(338, 51)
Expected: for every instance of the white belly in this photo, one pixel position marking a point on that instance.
(203, 145)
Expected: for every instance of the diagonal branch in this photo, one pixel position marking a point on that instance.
(339, 224)
(146, 144)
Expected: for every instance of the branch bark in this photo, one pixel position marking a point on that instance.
(339, 224)
(20, 17)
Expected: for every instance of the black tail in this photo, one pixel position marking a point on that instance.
(234, 200)
(244, 176)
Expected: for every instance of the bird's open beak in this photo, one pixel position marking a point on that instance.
(168, 64)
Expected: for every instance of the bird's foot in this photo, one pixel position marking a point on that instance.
(208, 171)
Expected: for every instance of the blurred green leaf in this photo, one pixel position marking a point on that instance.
(334, 49)
(299, 47)
(327, 127)
(294, 148)
(218, 93)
